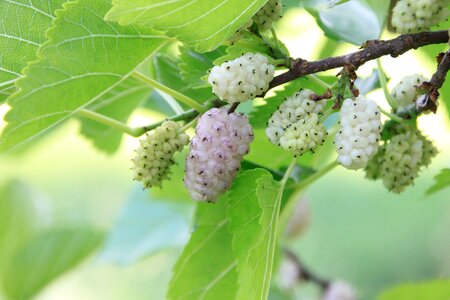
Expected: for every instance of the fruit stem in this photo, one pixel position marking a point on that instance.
(275, 37)
(137, 131)
(383, 82)
(392, 116)
(105, 120)
(176, 95)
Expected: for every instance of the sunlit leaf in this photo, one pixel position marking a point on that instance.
(84, 59)
(203, 24)
(434, 290)
(22, 32)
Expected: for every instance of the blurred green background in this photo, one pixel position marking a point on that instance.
(359, 232)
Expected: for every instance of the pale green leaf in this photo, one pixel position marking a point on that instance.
(46, 257)
(84, 59)
(18, 219)
(206, 270)
(203, 24)
(254, 206)
(24, 23)
(434, 290)
(354, 21)
(442, 181)
(118, 104)
(145, 227)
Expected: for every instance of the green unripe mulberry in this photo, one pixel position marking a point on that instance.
(154, 156)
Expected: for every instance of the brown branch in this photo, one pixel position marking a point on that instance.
(428, 100)
(371, 50)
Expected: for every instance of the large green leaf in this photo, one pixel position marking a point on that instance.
(254, 206)
(84, 58)
(45, 258)
(206, 270)
(18, 219)
(434, 290)
(145, 227)
(442, 181)
(118, 104)
(203, 24)
(24, 23)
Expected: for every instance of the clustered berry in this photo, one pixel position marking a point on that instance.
(271, 12)
(405, 93)
(295, 126)
(359, 134)
(216, 152)
(154, 156)
(409, 16)
(400, 159)
(242, 79)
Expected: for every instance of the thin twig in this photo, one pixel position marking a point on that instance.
(371, 50)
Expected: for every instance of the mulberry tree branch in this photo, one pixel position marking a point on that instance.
(370, 50)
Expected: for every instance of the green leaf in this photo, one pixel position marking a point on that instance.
(195, 65)
(118, 104)
(22, 32)
(206, 270)
(46, 257)
(434, 290)
(18, 219)
(253, 212)
(84, 58)
(354, 21)
(203, 24)
(145, 227)
(442, 181)
(166, 70)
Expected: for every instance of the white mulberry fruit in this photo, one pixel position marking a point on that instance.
(271, 12)
(295, 126)
(409, 16)
(242, 79)
(373, 168)
(402, 161)
(405, 93)
(429, 150)
(357, 140)
(154, 156)
(216, 152)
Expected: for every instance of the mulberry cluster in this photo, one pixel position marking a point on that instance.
(410, 16)
(399, 160)
(405, 93)
(357, 140)
(242, 79)
(269, 13)
(402, 161)
(216, 153)
(295, 126)
(154, 156)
